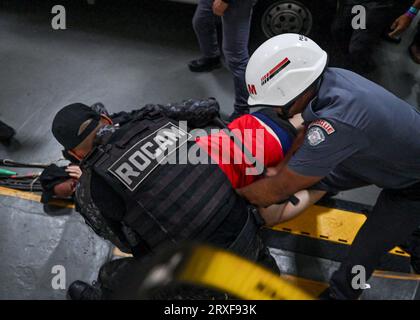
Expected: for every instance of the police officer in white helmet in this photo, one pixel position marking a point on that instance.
(357, 134)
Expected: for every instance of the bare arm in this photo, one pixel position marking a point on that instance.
(272, 190)
(402, 23)
(276, 214)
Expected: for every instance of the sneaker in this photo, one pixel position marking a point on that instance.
(204, 64)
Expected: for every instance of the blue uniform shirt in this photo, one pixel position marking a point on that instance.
(359, 134)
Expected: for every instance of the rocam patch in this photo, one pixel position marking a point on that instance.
(135, 165)
(315, 136)
(329, 129)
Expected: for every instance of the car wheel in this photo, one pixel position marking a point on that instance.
(274, 17)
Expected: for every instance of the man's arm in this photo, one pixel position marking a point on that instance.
(402, 23)
(326, 144)
(275, 189)
(279, 213)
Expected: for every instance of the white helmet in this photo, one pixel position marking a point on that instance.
(282, 68)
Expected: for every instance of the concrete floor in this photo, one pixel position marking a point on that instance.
(124, 55)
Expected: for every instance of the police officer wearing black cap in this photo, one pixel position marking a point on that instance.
(158, 203)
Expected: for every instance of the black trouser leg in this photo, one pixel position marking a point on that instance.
(417, 37)
(394, 218)
(363, 42)
(341, 32)
(412, 246)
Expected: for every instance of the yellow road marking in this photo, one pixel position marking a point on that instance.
(33, 197)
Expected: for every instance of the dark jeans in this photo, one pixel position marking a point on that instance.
(395, 217)
(236, 28)
(360, 43)
(417, 36)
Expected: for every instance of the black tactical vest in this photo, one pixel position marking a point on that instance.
(102, 226)
(164, 202)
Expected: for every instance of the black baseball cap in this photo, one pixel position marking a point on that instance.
(67, 122)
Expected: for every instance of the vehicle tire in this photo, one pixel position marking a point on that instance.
(274, 17)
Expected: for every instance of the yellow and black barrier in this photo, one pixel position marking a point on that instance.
(222, 270)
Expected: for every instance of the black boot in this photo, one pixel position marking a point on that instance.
(6, 132)
(204, 64)
(80, 290)
(326, 295)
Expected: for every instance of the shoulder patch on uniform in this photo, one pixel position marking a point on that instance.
(315, 136)
(324, 124)
(135, 165)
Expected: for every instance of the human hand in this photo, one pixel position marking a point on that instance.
(74, 171)
(219, 7)
(400, 25)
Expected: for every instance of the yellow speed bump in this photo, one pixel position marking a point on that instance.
(328, 224)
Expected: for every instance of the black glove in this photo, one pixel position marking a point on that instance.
(49, 178)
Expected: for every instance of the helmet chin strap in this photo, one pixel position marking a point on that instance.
(286, 108)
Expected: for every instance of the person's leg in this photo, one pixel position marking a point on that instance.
(392, 221)
(415, 46)
(279, 213)
(363, 41)
(236, 30)
(341, 33)
(417, 37)
(204, 25)
(341, 30)
(412, 246)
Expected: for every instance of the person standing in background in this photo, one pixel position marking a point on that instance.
(358, 44)
(402, 23)
(236, 23)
